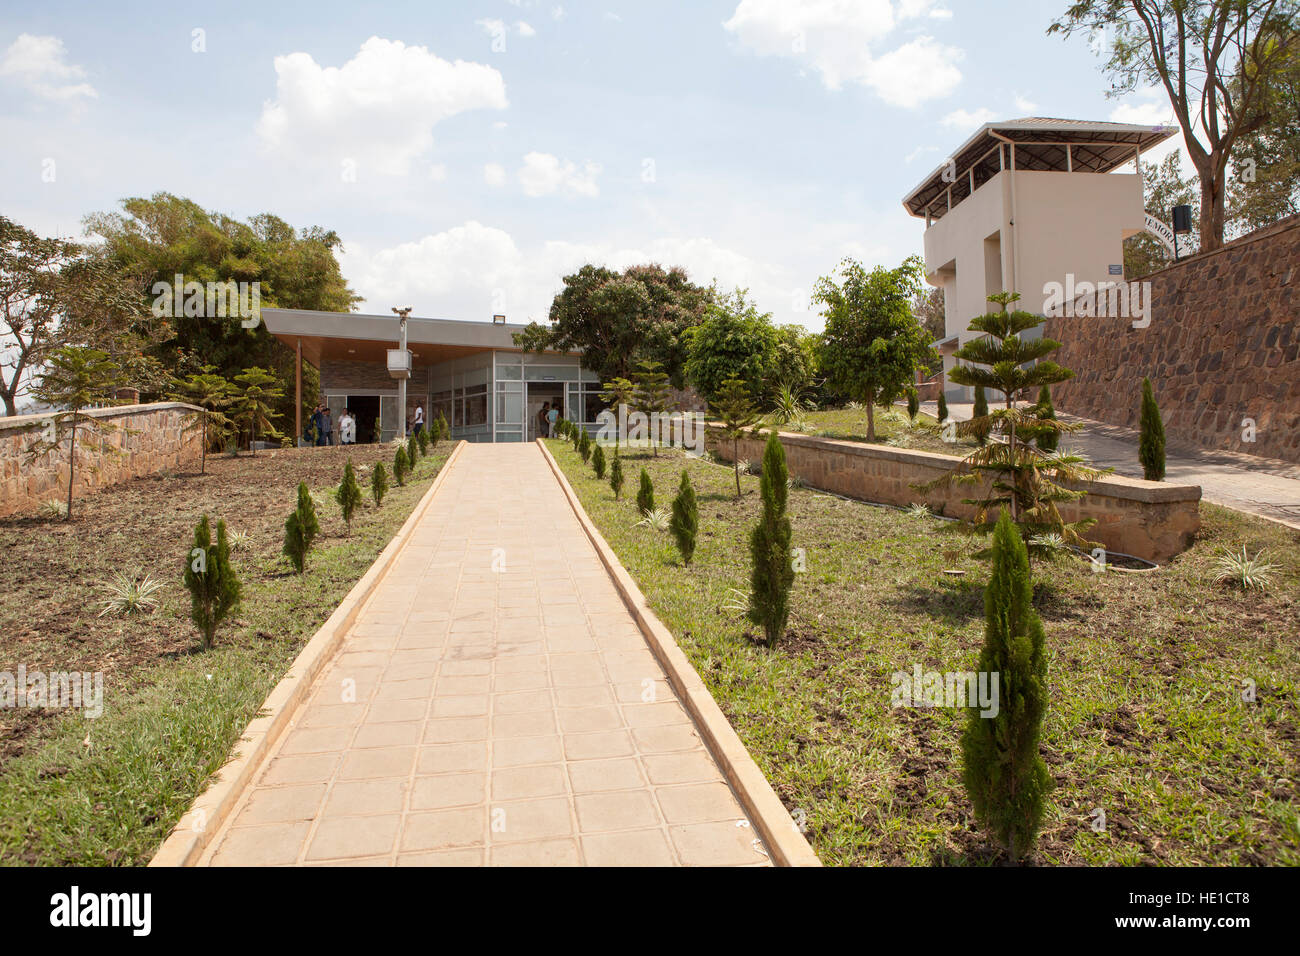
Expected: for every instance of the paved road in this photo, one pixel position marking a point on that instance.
(499, 715)
(1259, 486)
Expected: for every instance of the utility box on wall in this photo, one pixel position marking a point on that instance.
(399, 363)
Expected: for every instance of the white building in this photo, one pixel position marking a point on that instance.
(1024, 203)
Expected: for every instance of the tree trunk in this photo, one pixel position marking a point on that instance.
(11, 407)
(735, 462)
(1213, 196)
(72, 463)
(203, 460)
(871, 419)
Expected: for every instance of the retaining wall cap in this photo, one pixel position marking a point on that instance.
(112, 411)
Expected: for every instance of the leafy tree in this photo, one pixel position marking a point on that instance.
(618, 393)
(401, 466)
(1151, 440)
(348, 494)
(1003, 771)
(598, 461)
(254, 405)
(872, 344)
(1265, 182)
(733, 341)
(301, 529)
(211, 580)
(1015, 472)
(772, 574)
(653, 394)
(616, 477)
(159, 237)
(1219, 63)
(57, 294)
(619, 320)
(645, 496)
(734, 407)
(214, 394)
(1164, 188)
(378, 483)
(74, 379)
(794, 364)
(928, 307)
(685, 523)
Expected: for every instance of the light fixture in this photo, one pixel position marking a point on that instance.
(498, 320)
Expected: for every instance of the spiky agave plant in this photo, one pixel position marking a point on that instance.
(126, 596)
(1242, 571)
(656, 520)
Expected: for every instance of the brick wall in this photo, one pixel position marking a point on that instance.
(1149, 519)
(133, 440)
(1221, 348)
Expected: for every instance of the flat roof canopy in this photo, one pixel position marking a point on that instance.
(358, 337)
(1041, 144)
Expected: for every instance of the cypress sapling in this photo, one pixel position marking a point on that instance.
(616, 476)
(645, 496)
(598, 461)
(348, 494)
(379, 483)
(772, 574)
(686, 519)
(211, 580)
(1151, 443)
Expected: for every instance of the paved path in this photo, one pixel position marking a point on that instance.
(1259, 486)
(489, 707)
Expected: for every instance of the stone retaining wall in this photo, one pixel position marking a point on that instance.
(1223, 347)
(131, 441)
(1149, 519)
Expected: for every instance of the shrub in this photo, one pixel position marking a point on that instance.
(412, 450)
(128, 596)
(379, 483)
(211, 580)
(422, 439)
(1243, 571)
(769, 546)
(943, 407)
(1002, 769)
(645, 496)
(584, 446)
(616, 476)
(913, 403)
(657, 520)
(1151, 443)
(686, 518)
(1047, 438)
(575, 436)
(401, 467)
(734, 406)
(598, 461)
(300, 529)
(348, 494)
(981, 410)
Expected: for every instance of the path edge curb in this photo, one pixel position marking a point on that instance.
(777, 828)
(185, 844)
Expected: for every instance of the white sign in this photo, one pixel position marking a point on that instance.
(1160, 231)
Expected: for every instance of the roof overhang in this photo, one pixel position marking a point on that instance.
(1094, 147)
(358, 337)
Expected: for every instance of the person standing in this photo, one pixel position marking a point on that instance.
(542, 431)
(318, 426)
(419, 418)
(552, 418)
(329, 428)
(347, 428)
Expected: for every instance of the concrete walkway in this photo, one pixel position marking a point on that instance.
(495, 703)
(1259, 486)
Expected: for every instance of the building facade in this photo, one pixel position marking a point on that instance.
(486, 387)
(1024, 204)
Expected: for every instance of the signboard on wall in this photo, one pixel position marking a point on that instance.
(1161, 231)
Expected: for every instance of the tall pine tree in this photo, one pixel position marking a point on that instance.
(772, 574)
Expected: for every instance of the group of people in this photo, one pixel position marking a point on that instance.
(322, 423)
(546, 419)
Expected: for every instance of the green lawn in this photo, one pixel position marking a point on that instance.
(892, 428)
(1146, 719)
(105, 791)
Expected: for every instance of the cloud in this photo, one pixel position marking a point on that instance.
(497, 28)
(543, 175)
(494, 174)
(467, 271)
(839, 39)
(524, 30)
(379, 108)
(1025, 105)
(1149, 107)
(40, 64)
(968, 120)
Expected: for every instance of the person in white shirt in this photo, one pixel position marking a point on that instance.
(419, 418)
(347, 428)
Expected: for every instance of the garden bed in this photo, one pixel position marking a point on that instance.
(75, 790)
(1146, 719)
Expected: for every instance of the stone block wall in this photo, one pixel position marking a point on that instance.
(1223, 347)
(131, 441)
(1149, 519)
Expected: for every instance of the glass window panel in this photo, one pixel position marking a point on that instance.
(510, 408)
(476, 410)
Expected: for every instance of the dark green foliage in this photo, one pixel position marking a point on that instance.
(1151, 443)
(686, 518)
(598, 461)
(980, 411)
(412, 450)
(379, 483)
(401, 466)
(913, 403)
(943, 407)
(441, 430)
(300, 529)
(1048, 438)
(769, 546)
(422, 438)
(736, 409)
(584, 446)
(211, 580)
(575, 436)
(348, 494)
(1002, 769)
(653, 394)
(616, 476)
(645, 496)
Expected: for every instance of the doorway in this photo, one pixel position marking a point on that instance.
(539, 394)
(365, 409)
